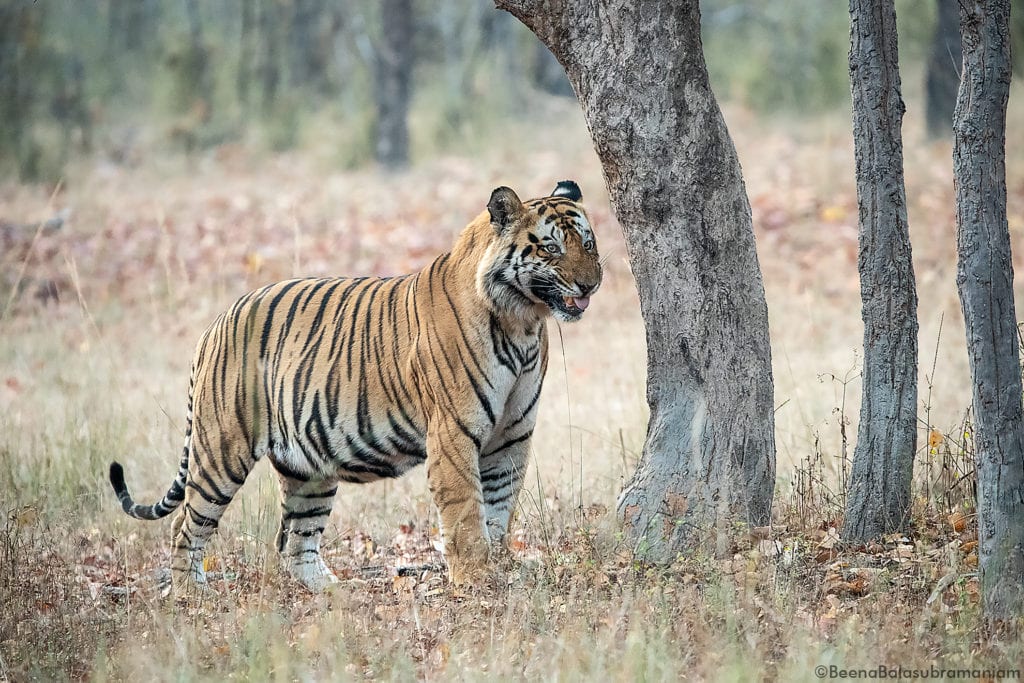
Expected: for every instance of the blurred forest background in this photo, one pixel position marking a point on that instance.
(158, 158)
(123, 79)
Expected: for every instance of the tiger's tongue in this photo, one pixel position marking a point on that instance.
(581, 302)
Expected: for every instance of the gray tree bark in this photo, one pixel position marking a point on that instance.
(393, 76)
(674, 179)
(878, 495)
(985, 283)
(942, 78)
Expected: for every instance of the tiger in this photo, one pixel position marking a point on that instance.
(352, 380)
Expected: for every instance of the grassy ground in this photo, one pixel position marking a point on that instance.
(99, 319)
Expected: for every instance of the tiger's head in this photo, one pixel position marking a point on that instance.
(544, 255)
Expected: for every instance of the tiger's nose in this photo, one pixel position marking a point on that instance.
(585, 289)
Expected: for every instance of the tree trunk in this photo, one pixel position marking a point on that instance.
(878, 497)
(943, 74)
(308, 49)
(246, 52)
(393, 72)
(675, 184)
(270, 54)
(985, 282)
(21, 63)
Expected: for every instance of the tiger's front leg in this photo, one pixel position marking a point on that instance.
(453, 473)
(502, 473)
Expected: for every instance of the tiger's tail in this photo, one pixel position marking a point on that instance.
(175, 494)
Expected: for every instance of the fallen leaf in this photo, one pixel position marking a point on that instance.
(833, 214)
(957, 520)
(253, 263)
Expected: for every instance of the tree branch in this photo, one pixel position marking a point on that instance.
(546, 18)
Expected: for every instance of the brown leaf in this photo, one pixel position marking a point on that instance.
(825, 555)
(957, 520)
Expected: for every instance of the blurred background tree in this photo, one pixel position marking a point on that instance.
(127, 78)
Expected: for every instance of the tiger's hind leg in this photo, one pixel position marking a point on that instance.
(305, 509)
(208, 491)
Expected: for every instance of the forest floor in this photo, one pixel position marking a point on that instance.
(97, 323)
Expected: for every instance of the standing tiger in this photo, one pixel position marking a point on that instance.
(359, 379)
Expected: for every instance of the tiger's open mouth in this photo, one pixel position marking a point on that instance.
(569, 308)
(566, 308)
(576, 304)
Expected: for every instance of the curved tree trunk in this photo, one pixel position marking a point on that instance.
(878, 499)
(985, 282)
(675, 184)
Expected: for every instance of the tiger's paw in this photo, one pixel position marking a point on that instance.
(315, 575)
(473, 572)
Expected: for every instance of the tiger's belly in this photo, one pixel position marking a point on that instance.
(370, 442)
(355, 447)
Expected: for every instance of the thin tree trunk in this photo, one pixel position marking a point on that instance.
(943, 73)
(307, 53)
(985, 282)
(393, 76)
(21, 62)
(269, 58)
(675, 184)
(878, 499)
(246, 52)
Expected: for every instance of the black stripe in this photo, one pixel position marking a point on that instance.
(287, 471)
(319, 494)
(307, 514)
(509, 443)
(268, 324)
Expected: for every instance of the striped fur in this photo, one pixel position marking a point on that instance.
(358, 379)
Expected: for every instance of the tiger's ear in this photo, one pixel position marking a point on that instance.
(568, 189)
(505, 207)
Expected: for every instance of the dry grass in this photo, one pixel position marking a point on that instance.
(152, 254)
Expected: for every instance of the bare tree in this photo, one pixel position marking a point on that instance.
(268, 27)
(393, 62)
(878, 499)
(21, 61)
(675, 184)
(985, 283)
(246, 51)
(942, 77)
